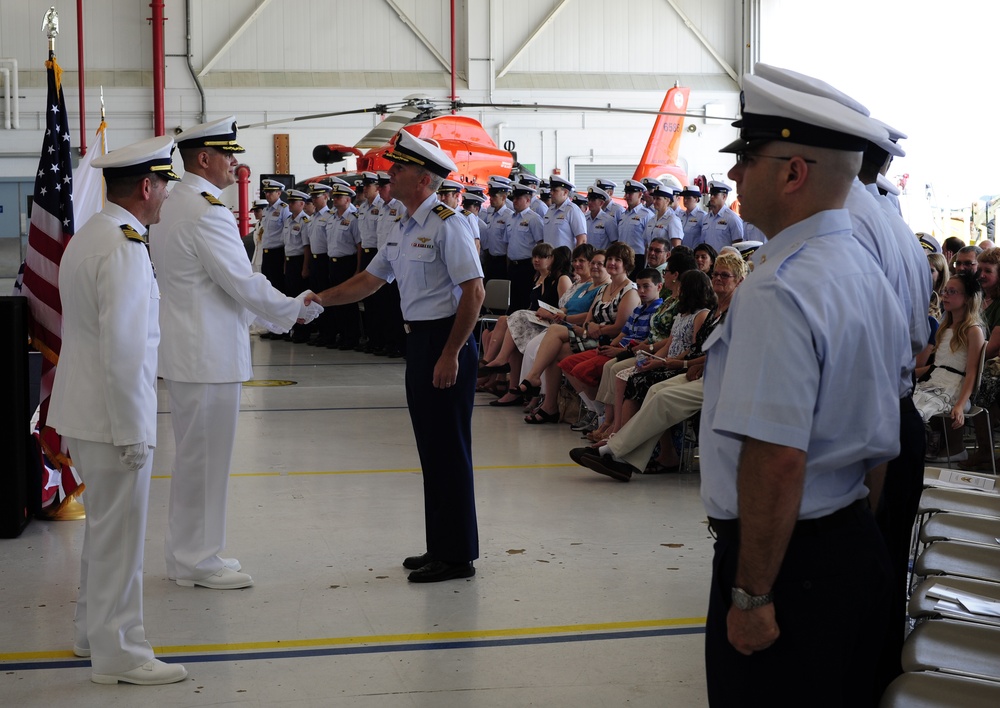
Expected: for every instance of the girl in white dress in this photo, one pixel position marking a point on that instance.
(958, 344)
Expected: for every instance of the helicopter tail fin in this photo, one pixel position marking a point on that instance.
(664, 143)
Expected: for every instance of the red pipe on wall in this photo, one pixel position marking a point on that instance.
(159, 62)
(243, 182)
(80, 72)
(454, 96)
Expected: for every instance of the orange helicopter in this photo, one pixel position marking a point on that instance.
(474, 151)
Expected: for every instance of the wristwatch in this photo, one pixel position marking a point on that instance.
(745, 601)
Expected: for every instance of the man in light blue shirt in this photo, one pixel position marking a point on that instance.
(563, 224)
(721, 226)
(523, 232)
(602, 226)
(801, 401)
(441, 290)
(693, 217)
(632, 224)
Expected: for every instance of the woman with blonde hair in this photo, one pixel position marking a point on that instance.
(958, 343)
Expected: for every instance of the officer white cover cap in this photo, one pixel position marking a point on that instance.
(633, 185)
(342, 190)
(817, 87)
(889, 144)
(528, 178)
(152, 155)
(294, 195)
(410, 150)
(605, 183)
(558, 181)
(714, 187)
(272, 184)
(450, 186)
(883, 182)
(473, 197)
(369, 178)
(523, 189)
(650, 183)
(219, 134)
(775, 113)
(598, 193)
(319, 188)
(260, 204)
(662, 191)
(894, 133)
(691, 191)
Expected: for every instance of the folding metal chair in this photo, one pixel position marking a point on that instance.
(967, 560)
(928, 689)
(922, 606)
(495, 303)
(954, 647)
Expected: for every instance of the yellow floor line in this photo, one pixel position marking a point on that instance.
(388, 638)
(403, 470)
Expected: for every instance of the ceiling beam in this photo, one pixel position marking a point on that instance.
(705, 43)
(531, 38)
(232, 40)
(419, 35)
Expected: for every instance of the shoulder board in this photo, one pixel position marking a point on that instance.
(212, 200)
(133, 235)
(466, 212)
(443, 211)
(282, 204)
(357, 214)
(305, 219)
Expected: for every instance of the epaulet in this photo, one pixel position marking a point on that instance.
(133, 235)
(282, 204)
(305, 219)
(443, 211)
(357, 214)
(466, 212)
(212, 200)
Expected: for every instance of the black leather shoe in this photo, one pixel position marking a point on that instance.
(579, 454)
(608, 466)
(436, 571)
(414, 562)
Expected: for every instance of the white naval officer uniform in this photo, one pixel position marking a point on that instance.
(210, 296)
(104, 398)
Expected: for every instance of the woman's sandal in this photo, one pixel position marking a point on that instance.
(528, 389)
(540, 416)
(513, 402)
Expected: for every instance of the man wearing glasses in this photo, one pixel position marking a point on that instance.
(965, 259)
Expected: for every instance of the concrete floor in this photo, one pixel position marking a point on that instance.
(588, 592)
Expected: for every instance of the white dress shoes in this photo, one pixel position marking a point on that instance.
(82, 652)
(153, 673)
(225, 579)
(231, 563)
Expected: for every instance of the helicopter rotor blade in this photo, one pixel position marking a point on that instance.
(460, 105)
(381, 108)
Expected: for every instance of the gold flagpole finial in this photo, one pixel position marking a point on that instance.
(50, 26)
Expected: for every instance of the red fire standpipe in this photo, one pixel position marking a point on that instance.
(243, 180)
(158, 66)
(80, 65)
(453, 95)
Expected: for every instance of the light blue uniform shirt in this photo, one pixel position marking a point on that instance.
(666, 227)
(602, 230)
(722, 229)
(632, 228)
(874, 232)
(615, 209)
(524, 230)
(274, 223)
(368, 214)
(494, 236)
(388, 215)
(807, 358)
(317, 231)
(293, 234)
(538, 206)
(430, 254)
(691, 224)
(563, 224)
(342, 234)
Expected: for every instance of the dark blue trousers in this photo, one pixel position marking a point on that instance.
(442, 425)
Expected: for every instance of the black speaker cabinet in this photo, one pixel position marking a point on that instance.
(20, 483)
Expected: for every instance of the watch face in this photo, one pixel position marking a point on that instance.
(745, 601)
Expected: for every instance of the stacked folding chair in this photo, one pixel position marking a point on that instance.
(952, 655)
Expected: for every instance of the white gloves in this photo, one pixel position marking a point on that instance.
(307, 313)
(134, 457)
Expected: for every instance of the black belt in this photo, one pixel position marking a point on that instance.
(729, 528)
(334, 259)
(370, 250)
(317, 255)
(418, 325)
(523, 260)
(295, 255)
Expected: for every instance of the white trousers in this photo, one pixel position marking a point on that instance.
(109, 605)
(667, 403)
(204, 422)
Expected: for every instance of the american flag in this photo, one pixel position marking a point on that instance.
(50, 230)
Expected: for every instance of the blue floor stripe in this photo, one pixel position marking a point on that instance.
(375, 649)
